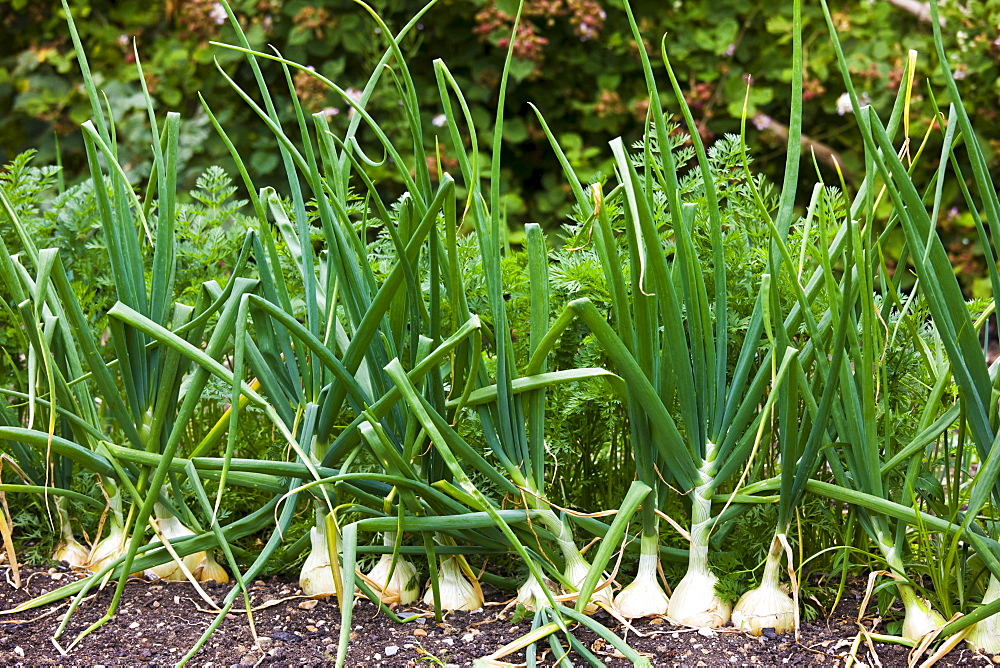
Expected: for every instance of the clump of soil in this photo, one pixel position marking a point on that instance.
(158, 622)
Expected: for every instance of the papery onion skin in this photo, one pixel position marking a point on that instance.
(766, 607)
(644, 597)
(316, 576)
(72, 552)
(694, 602)
(402, 588)
(985, 635)
(457, 593)
(531, 594)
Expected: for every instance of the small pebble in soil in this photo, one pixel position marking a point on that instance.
(391, 650)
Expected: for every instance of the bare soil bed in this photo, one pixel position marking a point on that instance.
(158, 622)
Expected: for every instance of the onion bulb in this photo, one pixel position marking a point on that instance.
(68, 549)
(644, 597)
(71, 551)
(171, 527)
(695, 603)
(919, 617)
(531, 594)
(209, 570)
(108, 548)
(111, 546)
(985, 635)
(316, 577)
(767, 606)
(457, 593)
(576, 572)
(403, 588)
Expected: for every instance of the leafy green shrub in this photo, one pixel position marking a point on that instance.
(574, 59)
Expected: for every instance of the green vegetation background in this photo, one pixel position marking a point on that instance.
(575, 60)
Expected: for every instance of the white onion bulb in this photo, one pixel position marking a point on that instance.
(72, 552)
(919, 618)
(694, 602)
(403, 588)
(457, 593)
(766, 607)
(576, 572)
(171, 527)
(316, 577)
(985, 635)
(644, 597)
(531, 594)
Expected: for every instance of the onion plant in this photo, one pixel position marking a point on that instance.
(809, 399)
(694, 411)
(946, 304)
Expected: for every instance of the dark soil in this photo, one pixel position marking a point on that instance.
(157, 623)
